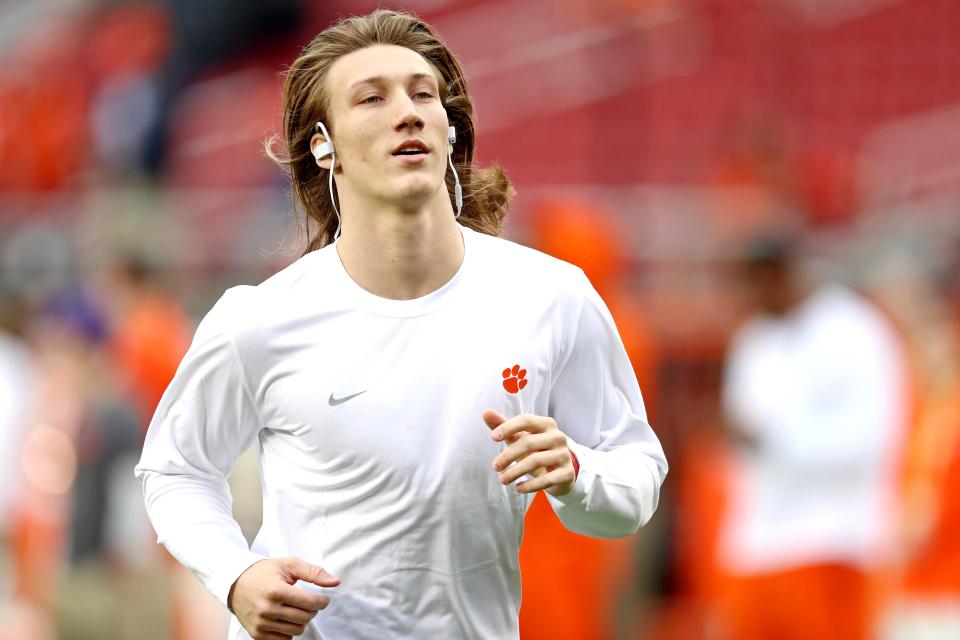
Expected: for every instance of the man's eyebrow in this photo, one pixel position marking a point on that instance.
(381, 79)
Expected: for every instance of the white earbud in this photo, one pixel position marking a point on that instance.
(321, 151)
(457, 190)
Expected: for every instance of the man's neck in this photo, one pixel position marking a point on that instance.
(402, 255)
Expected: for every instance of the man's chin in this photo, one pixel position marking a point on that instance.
(415, 196)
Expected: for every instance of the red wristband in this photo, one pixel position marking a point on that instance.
(576, 463)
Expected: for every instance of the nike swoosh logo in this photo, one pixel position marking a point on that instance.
(337, 401)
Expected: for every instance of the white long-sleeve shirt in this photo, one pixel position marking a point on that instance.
(374, 458)
(822, 391)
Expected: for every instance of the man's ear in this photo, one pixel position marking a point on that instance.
(315, 142)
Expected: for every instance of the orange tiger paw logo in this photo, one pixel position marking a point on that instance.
(514, 379)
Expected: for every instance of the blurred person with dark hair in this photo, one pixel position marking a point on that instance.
(814, 392)
(201, 40)
(411, 381)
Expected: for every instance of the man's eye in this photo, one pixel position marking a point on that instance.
(371, 100)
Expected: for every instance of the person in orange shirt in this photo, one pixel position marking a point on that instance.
(149, 333)
(926, 590)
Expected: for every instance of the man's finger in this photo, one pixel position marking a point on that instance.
(270, 625)
(305, 598)
(554, 478)
(312, 573)
(522, 422)
(292, 614)
(520, 449)
(493, 419)
(535, 464)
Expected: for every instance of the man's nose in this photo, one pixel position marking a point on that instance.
(408, 116)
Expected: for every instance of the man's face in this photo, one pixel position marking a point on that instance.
(381, 99)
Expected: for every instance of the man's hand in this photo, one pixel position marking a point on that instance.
(536, 447)
(267, 603)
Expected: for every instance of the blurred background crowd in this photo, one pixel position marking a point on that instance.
(765, 192)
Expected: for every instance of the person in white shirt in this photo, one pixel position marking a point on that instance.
(814, 391)
(408, 384)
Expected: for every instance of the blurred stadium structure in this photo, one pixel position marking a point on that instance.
(649, 141)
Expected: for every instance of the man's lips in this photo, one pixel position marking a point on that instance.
(411, 147)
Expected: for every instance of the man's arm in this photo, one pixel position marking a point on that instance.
(205, 420)
(596, 414)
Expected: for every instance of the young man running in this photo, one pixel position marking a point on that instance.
(410, 382)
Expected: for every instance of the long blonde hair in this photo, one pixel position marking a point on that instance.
(486, 191)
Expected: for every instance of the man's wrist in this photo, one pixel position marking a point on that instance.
(576, 464)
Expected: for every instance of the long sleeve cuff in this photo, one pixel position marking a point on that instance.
(616, 492)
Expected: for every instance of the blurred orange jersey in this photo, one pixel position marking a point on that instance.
(147, 345)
